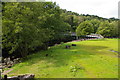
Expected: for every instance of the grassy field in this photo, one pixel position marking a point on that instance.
(89, 59)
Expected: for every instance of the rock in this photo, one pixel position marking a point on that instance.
(19, 61)
(56, 44)
(11, 62)
(21, 77)
(17, 58)
(5, 60)
(0, 59)
(67, 47)
(46, 55)
(3, 64)
(1, 67)
(15, 61)
(12, 58)
(8, 59)
(13, 78)
(8, 63)
(29, 76)
(73, 44)
(114, 51)
(48, 47)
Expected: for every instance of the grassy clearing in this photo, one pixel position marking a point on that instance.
(89, 59)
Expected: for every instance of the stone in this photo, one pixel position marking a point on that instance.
(1, 67)
(13, 78)
(46, 55)
(8, 63)
(73, 44)
(49, 47)
(22, 77)
(5, 60)
(67, 46)
(29, 76)
(17, 58)
(8, 59)
(15, 61)
(56, 44)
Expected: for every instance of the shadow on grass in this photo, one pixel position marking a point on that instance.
(59, 56)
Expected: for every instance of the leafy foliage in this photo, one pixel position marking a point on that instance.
(84, 28)
(107, 29)
(27, 26)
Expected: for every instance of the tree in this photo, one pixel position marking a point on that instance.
(95, 24)
(26, 26)
(106, 29)
(21, 27)
(84, 28)
(114, 24)
(29, 25)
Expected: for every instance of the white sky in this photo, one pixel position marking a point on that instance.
(102, 8)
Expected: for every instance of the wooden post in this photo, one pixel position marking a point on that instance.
(5, 77)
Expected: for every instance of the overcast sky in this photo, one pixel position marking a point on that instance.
(102, 8)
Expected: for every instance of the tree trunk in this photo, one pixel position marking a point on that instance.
(23, 50)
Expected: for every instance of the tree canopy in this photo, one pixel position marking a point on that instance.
(27, 25)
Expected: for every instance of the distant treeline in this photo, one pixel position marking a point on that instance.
(30, 26)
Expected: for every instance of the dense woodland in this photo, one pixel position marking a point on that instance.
(28, 27)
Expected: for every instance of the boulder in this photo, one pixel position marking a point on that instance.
(73, 44)
(20, 77)
(67, 47)
(46, 55)
(7, 62)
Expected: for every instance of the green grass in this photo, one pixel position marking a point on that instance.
(89, 59)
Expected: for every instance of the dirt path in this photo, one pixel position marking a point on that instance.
(5, 72)
(83, 39)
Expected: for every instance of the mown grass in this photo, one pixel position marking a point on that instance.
(89, 59)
